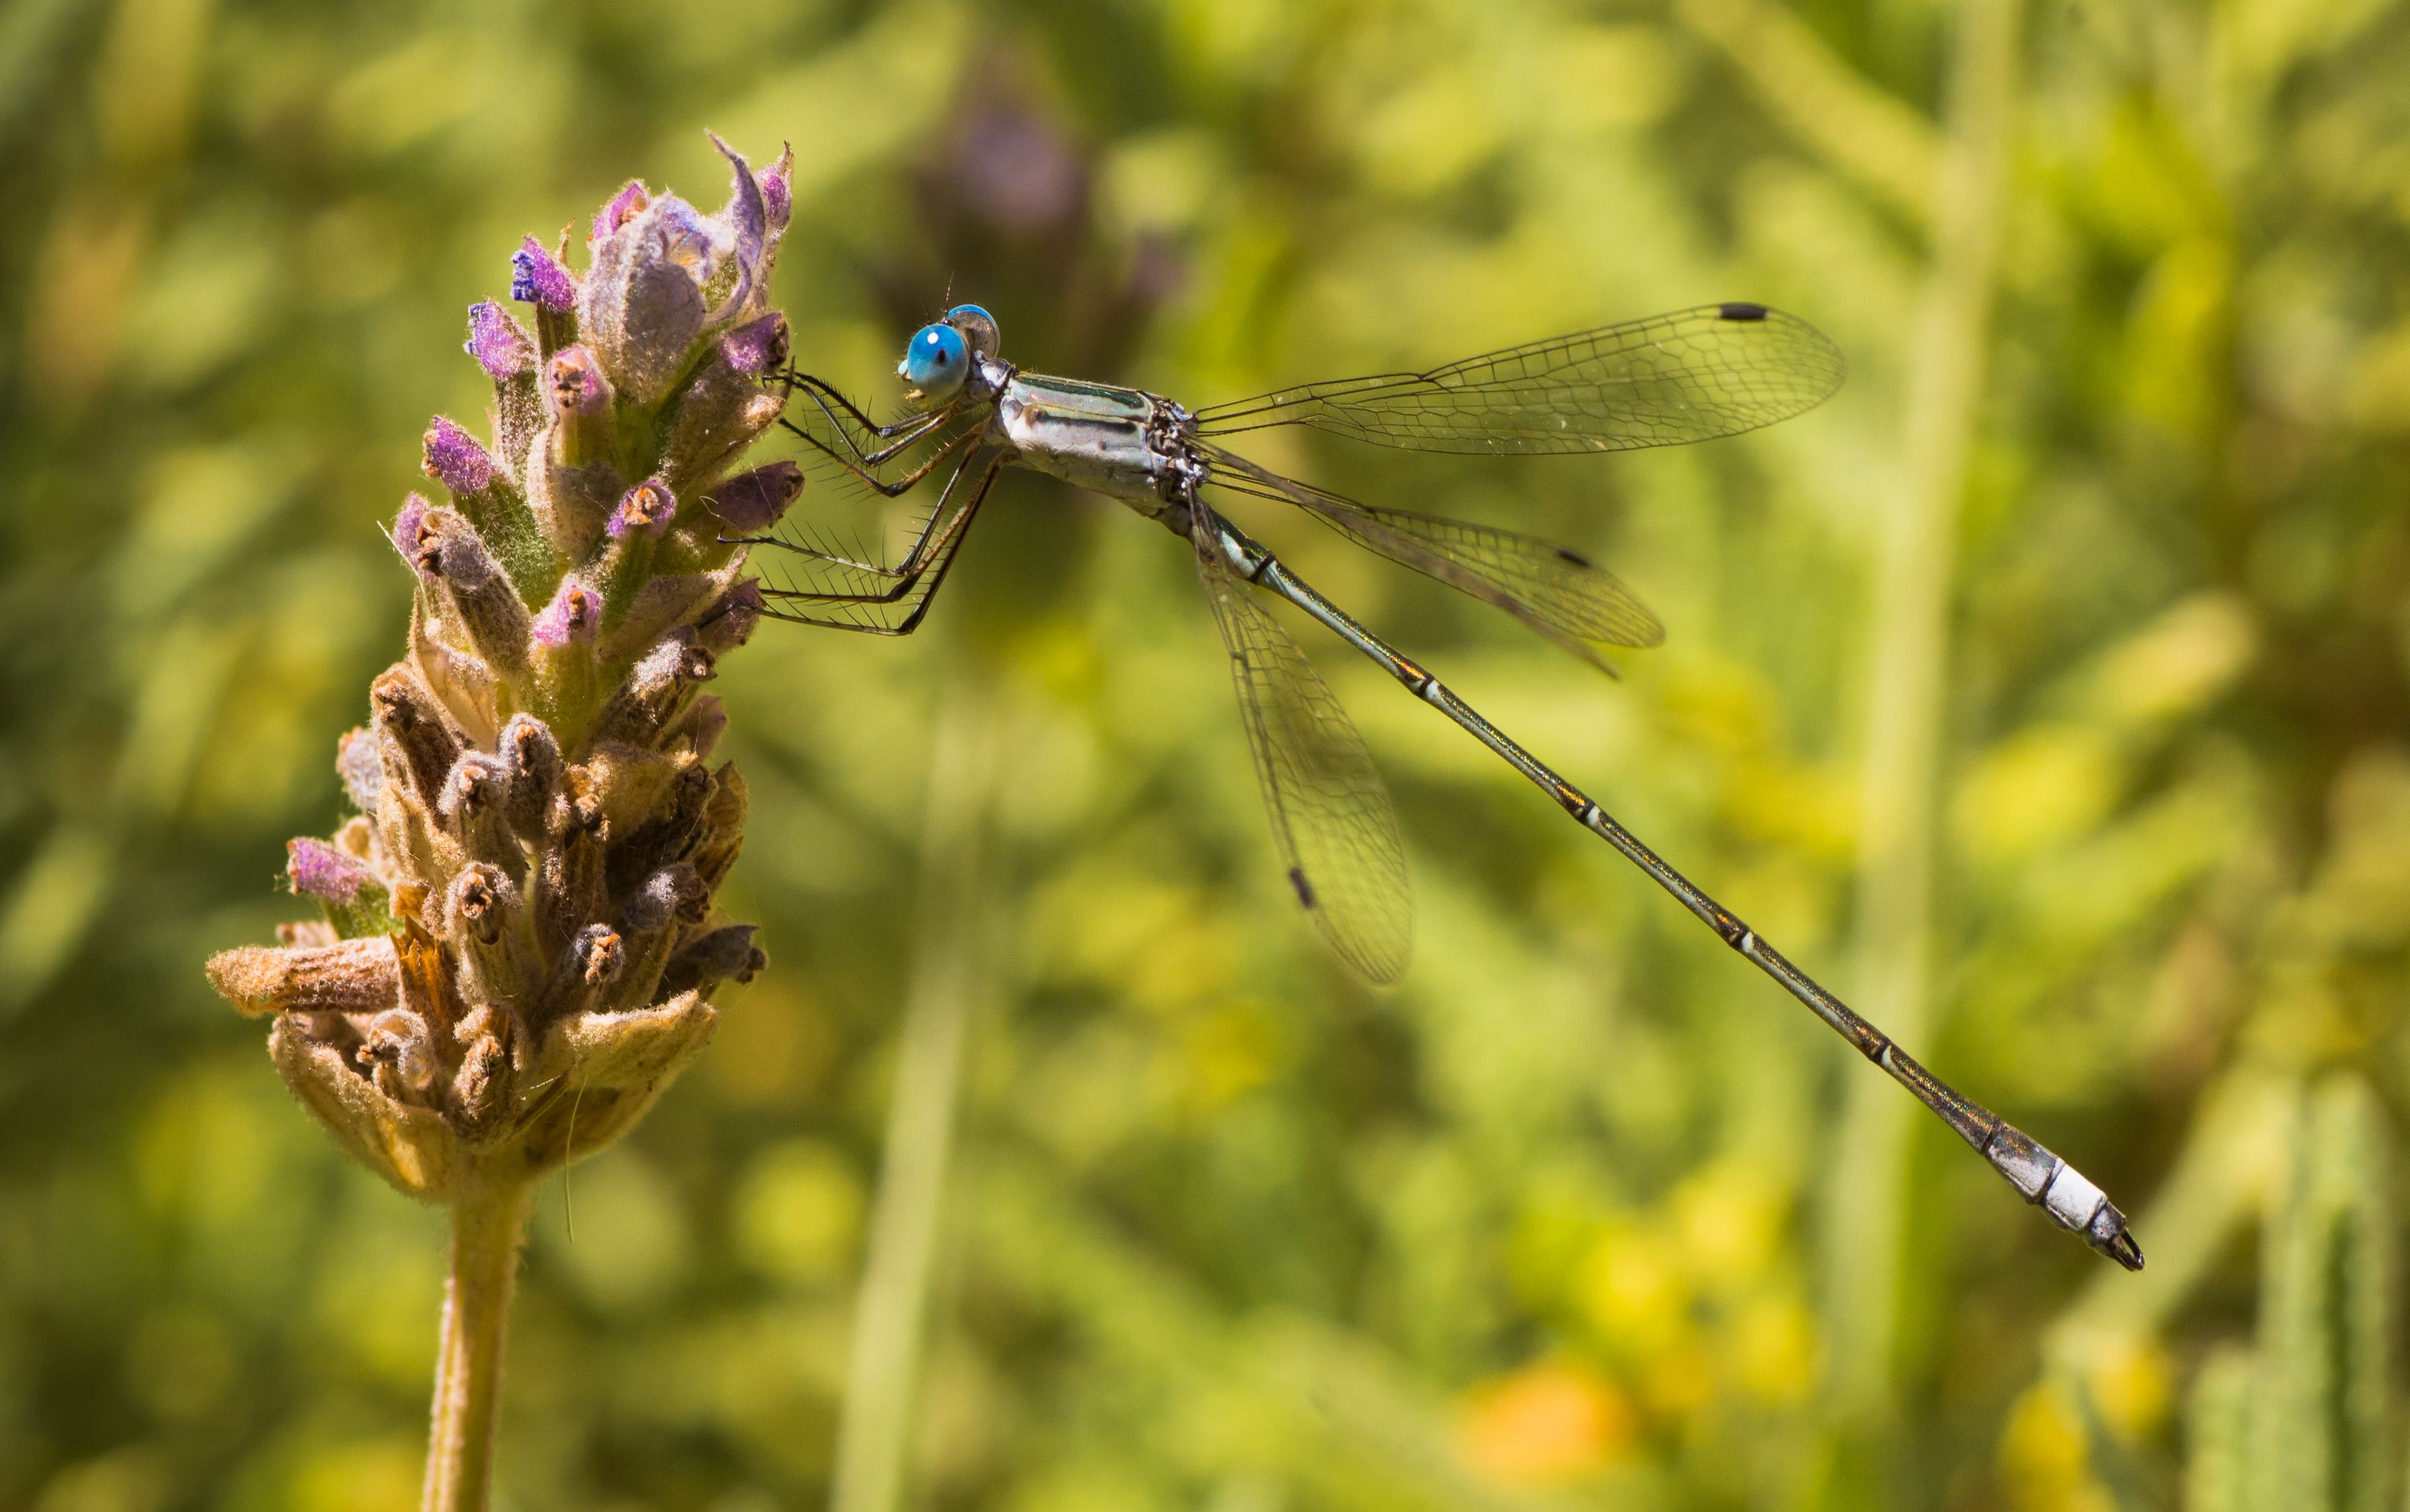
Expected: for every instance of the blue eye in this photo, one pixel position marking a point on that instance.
(977, 325)
(937, 362)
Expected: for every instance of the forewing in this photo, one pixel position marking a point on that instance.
(1557, 592)
(1330, 814)
(1690, 375)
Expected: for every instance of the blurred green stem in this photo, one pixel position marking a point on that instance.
(487, 1229)
(882, 1376)
(1911, 654)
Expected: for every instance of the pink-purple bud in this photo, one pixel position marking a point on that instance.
(319, 870)
(405, 527)
(777, 189)
(624, 207)
(646, 508)
(571, 616)
(498, 343)
(754, 500)
(455, 459)
(578, 386)
(757, 349)
(537, 278)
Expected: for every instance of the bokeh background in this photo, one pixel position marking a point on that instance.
(2047, 693)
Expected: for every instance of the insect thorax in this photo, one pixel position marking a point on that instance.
(1121, 442)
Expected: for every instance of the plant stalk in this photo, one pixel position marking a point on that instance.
(882, 1378)
(1904, 767)
(487, 1229)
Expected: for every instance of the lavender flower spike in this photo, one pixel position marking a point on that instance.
(524, 903)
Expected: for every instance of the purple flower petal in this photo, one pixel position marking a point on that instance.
(537, 278)
(749, 216)
(498, 343)
(624, 207)
(647, 507)
(758, 348)
(777, 191)
(405, 527)
(578, 386)
(319, 870)
(571, 618)
(454, 459)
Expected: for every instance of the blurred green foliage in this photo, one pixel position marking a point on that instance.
(1547, 1226)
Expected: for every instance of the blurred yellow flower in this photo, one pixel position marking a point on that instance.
(1227, 1053)
(798, 1213)
(2036, 790)
(2043, 1457)
(2130, 1382)
(1773, 1348)
(1728, 1217)
(1633, 1288)
(1546, 1424)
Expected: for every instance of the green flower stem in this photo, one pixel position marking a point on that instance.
(486, 1227)
(883, 1374)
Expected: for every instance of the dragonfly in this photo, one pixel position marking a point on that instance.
(1689, 376)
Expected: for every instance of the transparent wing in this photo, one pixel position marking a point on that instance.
(1557, 592)
(1329, 809)
(1690, 375)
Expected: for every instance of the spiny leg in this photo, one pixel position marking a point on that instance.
(2040, 1177)
(864, 470)
(878, 614)
(962, 446)
(937, 533)
(910, 429)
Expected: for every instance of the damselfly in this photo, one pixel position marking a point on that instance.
(1687, 376)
